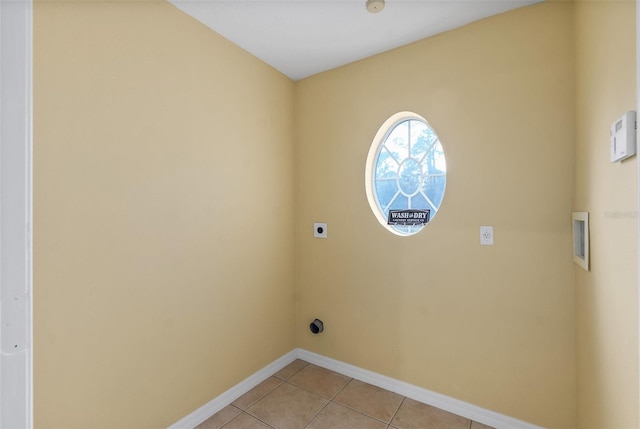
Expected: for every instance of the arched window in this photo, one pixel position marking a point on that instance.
(406, 174)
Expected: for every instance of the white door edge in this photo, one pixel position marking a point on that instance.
(16, 278)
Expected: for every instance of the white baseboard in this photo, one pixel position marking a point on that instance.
(461, 408)
(227, 397)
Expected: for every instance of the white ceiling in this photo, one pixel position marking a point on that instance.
(304, 37)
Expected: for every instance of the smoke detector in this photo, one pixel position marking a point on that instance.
(375, 6)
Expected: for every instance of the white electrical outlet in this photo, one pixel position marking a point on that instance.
(320, 230)
(486, 235)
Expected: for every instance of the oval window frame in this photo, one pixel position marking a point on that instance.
(379, 140)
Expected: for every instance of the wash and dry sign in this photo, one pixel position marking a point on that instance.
(408, 217)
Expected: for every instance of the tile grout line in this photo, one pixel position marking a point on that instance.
(316, 415)
(282, 381)
(330, 400)
(404, 398)
(262, 397)
(228, 421)
(363, 413)
(367, 415)
(333, 400)
(248, 414)
(341, 369)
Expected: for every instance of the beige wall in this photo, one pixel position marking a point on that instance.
(493, 326)
(607, 300)
(160, 149)
(163, 214)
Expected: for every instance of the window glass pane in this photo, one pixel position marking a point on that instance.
(410, 177)
(419, 202)
(385, 189)
(398, 141)
(419, 139)
(398, 204)
(434, 189)
(438, 158)
(386, 167)
(434, 162)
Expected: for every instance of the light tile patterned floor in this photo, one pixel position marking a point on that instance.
(306, 396)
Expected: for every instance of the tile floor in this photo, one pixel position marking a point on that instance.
(303, 395)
